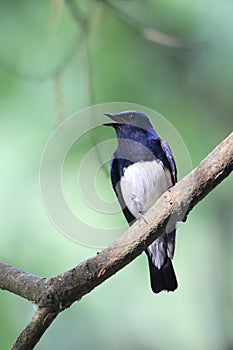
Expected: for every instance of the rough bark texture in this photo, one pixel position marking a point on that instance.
(21, 283)
(57, 293)
(38, 325)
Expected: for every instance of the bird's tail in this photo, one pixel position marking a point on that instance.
(163, 278)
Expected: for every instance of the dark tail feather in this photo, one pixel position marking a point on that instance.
(163, 279)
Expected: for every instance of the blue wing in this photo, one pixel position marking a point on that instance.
(162, 151)
(171, 161)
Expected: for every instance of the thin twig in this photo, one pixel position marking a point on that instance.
(148, 32)
(77, 16)
(58, 98)
(44, 76)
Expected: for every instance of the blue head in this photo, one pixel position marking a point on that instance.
(128, 122)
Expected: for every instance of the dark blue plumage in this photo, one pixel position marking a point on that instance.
(142, 168)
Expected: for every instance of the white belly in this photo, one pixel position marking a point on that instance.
(142, 184)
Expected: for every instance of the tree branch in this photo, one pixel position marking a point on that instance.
(35, 329)
(58, 293)
(22, 283)
(150, 33)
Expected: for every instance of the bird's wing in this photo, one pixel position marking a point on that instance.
(166, 149)
(116, 173)
(171, 236)
(162, 150)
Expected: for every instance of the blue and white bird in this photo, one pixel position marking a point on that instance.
(142, 168)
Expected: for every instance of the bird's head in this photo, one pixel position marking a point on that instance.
(132, 118)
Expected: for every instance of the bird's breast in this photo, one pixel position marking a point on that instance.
(142, 184)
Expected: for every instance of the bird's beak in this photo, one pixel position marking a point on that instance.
(110, 115)
(115, 117)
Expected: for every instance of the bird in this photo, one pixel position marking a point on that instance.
(142, 168)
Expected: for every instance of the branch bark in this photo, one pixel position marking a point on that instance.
(35, 329)
(57, 293)
(22, 283)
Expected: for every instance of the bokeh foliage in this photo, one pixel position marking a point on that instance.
(57, 57)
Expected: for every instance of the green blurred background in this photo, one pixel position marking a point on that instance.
(58, 57)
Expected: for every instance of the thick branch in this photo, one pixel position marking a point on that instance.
(174, 205)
